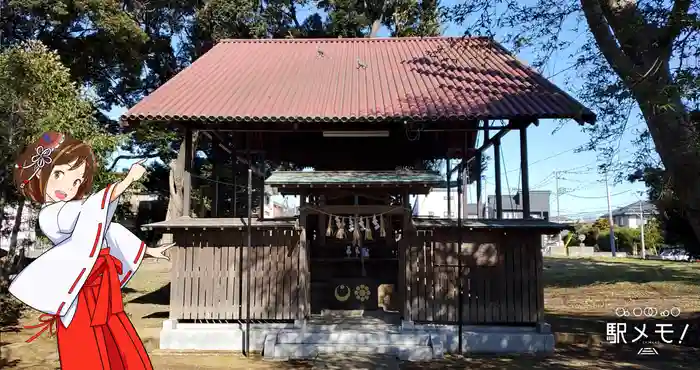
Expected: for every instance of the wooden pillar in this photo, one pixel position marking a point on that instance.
(525, 192)
(234, 199)
(304, 264)
(497, 170)
(404, 258)
(187, 180)
(487, 135)
(448, 174)
(479, 200)
(262, 189)
(216, 169)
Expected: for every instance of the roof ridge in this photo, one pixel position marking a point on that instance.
(352, 39)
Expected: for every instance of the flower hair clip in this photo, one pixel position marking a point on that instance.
(48, 143)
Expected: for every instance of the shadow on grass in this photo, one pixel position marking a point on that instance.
(8, 363)
(161, 296)
(158, 315)
(572, 273)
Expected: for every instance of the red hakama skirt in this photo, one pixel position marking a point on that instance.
(101, 336)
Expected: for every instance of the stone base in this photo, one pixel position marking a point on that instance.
(489, 339)
(409, 341)
(216, 337)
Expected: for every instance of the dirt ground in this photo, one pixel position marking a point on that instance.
(581, 295)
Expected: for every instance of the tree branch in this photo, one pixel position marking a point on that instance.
(601, 30)
(116, 160)
(675, 23)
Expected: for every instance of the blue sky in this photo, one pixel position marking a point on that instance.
(550, 151)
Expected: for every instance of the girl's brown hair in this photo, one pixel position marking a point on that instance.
(61, 149)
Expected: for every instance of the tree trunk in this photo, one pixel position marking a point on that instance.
(677, 142)
(376, 25)
(176, 184)
(15, 230)
(616, 26)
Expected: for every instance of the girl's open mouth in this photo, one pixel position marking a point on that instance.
(60, 195)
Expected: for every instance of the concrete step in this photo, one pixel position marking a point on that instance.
(354, 337)
(288, 351)
(360, 325)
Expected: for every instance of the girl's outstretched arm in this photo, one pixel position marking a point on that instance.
(136, 172)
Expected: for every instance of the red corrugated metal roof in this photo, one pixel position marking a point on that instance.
(357, 79)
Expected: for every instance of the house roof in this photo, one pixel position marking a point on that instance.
(366, 79)
(633, 209)
(344, 178)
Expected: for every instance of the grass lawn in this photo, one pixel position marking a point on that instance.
(580, 295)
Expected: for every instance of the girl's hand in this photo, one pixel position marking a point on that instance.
(136, 171)
(158, 252)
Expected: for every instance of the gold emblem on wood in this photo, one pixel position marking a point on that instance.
(362, 293)
(339, 295)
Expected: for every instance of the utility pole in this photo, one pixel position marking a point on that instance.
(641, 217)
(610, 218)
(556, 183)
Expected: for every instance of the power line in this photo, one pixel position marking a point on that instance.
(548, 158)
(612, 195)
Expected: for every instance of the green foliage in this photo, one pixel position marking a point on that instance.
(602, 224)
(629, 239)
(44, 99)
(37, 95)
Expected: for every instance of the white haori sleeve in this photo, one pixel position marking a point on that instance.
(127, 247)
(51, 283)
(124, 245)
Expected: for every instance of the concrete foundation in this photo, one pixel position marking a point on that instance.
(407, 341)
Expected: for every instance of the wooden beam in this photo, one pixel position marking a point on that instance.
(486, 145)
(232, 151)
(352, 209)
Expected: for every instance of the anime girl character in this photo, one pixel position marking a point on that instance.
(77, 283)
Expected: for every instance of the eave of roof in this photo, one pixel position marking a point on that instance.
(349, 178)
(322, 80)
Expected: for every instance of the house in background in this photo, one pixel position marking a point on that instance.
(434, 204)
(630, 215)
(512, 205)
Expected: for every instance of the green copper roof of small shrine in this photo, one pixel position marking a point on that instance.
(353, 178)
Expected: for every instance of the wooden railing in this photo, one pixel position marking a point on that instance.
(501, 277)
(206, 275)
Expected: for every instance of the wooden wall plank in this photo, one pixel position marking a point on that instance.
(275, 271)
(245, 281)
(296, 281)
(189, 278)
(267, 284)
(517, 279)
(531, 278)
(429, 295)
(539, 271)
(177, 276)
